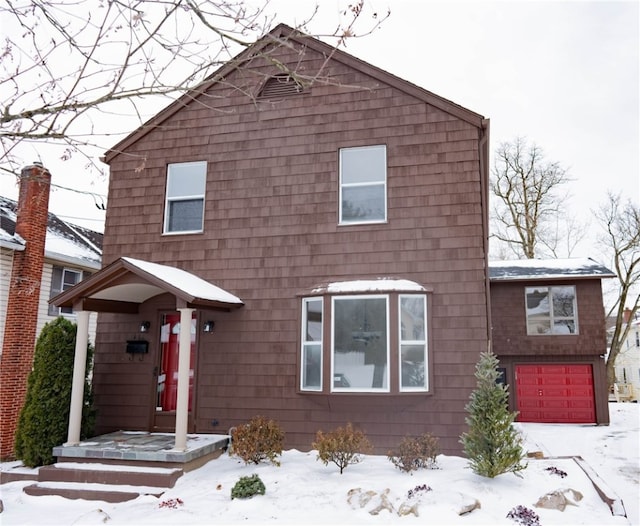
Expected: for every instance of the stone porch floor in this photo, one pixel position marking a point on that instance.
(142, 447)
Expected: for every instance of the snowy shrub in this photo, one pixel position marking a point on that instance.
(342, 446)
(524, 516)
(417, 491)
(415, 453)
(554, 470)
(260, 439)
(44, 418)
(247, 487)
(171, 503)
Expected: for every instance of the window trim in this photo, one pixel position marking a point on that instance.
(387, 379)
(341, 186)
(552, 317)
(169, 200)
(394, 387)
(304, 342)
(424, 342)
(55, 289)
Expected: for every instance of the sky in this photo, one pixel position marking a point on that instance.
(302, 490)
(562, 74)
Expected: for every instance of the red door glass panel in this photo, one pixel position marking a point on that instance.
(169, 348)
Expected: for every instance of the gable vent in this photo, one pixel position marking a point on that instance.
(279, 87)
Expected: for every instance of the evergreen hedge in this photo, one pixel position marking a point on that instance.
(44, 418)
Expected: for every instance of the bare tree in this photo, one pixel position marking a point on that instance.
(67, 67)
(620, 222)
(529, 209)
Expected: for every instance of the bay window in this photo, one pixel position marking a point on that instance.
(376, 342)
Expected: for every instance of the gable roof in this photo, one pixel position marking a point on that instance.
(127, 282)
(277, 36)
(547, 269)
(65, 242)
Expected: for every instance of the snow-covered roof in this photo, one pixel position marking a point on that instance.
(369, 285)
(185, 281)
(546, 269)
(65, 242)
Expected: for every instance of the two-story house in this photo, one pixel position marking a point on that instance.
(313, 252)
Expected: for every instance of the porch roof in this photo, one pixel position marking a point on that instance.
(127, 282)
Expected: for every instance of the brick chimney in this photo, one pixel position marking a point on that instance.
(18, 346)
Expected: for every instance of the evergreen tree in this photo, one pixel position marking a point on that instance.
(44, 418)
(492, 444)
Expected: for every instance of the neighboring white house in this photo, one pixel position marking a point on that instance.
(71, 253)
(627, 367)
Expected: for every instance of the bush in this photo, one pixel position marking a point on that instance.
(247, 487)
(524, 516)
(492, 444)
(342, 446)
(260, 439)
(415, 453)
(44, 418)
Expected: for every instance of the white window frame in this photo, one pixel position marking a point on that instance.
(386, 382)
(305, 343)
(362, 184)
(170, 199)
(552, 317)
(58, 288)
(413, 342)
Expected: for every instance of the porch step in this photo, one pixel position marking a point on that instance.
(99, 473)
(106, 482)
(112, 493)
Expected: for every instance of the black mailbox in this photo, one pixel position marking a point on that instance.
(137, 346)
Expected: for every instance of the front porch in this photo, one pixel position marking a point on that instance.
(117, 466)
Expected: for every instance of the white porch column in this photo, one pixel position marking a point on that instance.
(79, 372)
(184, 359)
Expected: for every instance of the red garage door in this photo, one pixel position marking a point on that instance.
(555, 393)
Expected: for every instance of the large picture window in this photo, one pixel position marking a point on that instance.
(360, 357)
(363, 184)
(184, 207)
(551, 310)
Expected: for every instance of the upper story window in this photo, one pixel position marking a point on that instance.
(378, 343)
(363, 185)
(61, 280)
(551, 310)
(184, 207)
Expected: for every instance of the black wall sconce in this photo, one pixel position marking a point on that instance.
(144, 326)
(208, 326)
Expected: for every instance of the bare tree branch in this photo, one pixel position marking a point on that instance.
(620, 222)
(527, 211)
(66, 65)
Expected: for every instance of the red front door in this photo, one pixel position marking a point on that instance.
(555, 393)
(167, 389)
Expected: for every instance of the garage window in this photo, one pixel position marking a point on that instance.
(551, 310)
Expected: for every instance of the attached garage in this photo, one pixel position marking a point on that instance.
(555, 393)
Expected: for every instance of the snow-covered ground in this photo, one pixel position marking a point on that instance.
(304, 491)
